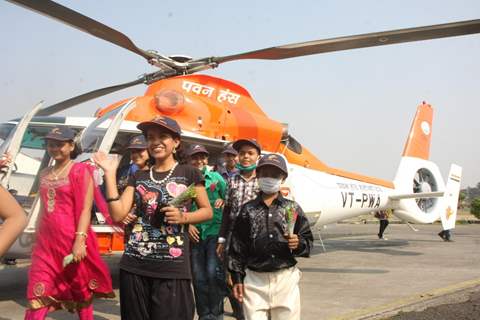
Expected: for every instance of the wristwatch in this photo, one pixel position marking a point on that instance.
(221, 240)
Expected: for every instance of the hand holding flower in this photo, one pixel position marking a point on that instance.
(293, 241)
(79, 249)
(173, 215)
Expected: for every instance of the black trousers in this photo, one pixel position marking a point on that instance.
(146, 298)
(383, 226)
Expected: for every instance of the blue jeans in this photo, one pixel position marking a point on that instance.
(208, 279)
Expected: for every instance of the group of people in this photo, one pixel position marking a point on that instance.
(227, 231)
(232, 233)
(384, 215)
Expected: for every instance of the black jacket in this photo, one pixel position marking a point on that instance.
(258, 241)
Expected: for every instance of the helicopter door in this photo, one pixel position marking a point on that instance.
(100, 136)
(11, 145)
(101, 133)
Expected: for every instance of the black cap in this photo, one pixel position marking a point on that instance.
(229, 149)
(239, 143)
(164, 122)
(61, 134)
(197, 148)
(273, 160)
(137, 142)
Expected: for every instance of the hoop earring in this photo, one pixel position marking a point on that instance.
(174, 150)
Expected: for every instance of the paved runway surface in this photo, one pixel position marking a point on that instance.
(359, 276)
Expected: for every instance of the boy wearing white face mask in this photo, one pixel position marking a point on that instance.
(269, 233)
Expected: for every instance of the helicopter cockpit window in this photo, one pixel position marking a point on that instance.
(6, 133)
(29, 161)
(293, 145)
(92, 136)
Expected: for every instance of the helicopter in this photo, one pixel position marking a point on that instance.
(214, 112)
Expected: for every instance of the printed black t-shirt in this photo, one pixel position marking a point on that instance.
(161, 250)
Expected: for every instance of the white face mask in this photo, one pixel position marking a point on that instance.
(269, 185)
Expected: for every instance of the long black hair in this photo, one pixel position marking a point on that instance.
(77, 149)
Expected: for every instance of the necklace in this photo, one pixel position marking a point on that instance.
(56, 175)
(164, 179)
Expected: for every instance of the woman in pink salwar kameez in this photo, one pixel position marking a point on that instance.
(67, 191)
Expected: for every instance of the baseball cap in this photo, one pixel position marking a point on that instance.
(197, 148)
(273, 160)
(239, 143)
(229, 149)
(137, 142)
(61, 134)
(159, 121)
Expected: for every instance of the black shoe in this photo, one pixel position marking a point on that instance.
(10, 262)
(441, 234)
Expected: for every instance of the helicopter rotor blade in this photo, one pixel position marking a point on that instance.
(85, 97)
(77, 20)
(357, 41)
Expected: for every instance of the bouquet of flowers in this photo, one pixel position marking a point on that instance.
(178, 201)
(183, 197)
(291, 217)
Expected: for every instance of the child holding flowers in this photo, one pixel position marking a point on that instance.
(269, 233)
(67, 191)
(155, 275)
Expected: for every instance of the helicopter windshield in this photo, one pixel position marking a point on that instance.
(93, 135)
(293, 145)
(6, 134)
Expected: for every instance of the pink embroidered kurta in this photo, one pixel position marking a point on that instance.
(74, 286)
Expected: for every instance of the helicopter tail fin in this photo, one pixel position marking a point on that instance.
(419, 185)
(418, 141)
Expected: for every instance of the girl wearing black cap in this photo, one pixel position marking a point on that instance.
(67, 191)
(139, 160)
(155, 276)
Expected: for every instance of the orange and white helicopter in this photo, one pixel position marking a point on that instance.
(213, 112)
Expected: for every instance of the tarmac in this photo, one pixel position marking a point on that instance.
(358, 276)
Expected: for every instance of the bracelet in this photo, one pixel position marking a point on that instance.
(81, 233)
(185, 217)
(221, 240)
(113, 199)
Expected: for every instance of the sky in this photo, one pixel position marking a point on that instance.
(353, 109)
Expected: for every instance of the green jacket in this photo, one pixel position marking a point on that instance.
(216, 189)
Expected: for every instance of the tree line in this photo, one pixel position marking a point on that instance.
(469, 198)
